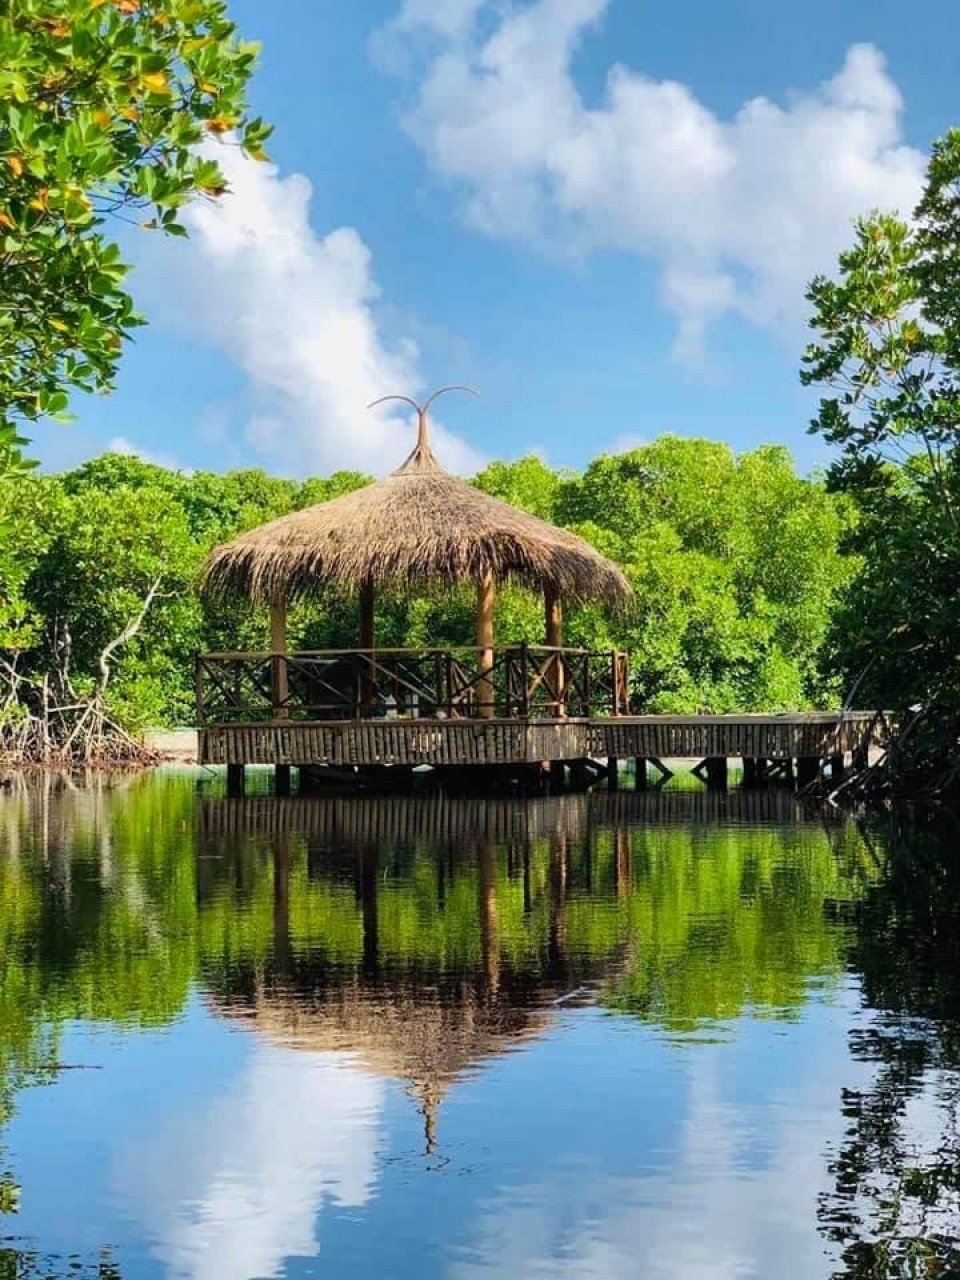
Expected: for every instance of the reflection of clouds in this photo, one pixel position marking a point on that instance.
(235, 1186)
(737, 1198)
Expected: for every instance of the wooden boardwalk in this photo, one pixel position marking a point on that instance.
(411, 743)
(482, 710)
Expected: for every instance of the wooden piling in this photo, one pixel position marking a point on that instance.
(808, 770)
(640, 767)
(236, 778)
(717, 773)
(281, 780)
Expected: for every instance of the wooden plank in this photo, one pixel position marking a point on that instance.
(503, 741)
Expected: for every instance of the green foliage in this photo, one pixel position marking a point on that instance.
(29, 510)
(888, 351)
(735, 567)
(732, 596)
(102, 106)
(528, 484)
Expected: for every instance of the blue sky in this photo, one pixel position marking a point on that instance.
(600, 213)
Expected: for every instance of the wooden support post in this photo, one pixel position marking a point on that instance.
(282, 948)
(613, 773)
(665, 773)
(489, 919)
(808, 770)
(278, 647)
(640, 765)
(558, 773)
(749, 771)
(369, 896)
(717, 773)
(837, 768)
(553, 632)
(486, 594)
(236, 776)
(281, 780)
(368, 641)
(621, 865)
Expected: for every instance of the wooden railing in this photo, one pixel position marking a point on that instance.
(518, 682)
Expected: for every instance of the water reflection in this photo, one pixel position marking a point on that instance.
(451, 1037)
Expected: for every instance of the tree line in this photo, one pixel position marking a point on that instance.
(735, 562)
(755, 587)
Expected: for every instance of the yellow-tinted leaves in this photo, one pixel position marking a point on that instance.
(219, 124)
(41, 201)
(15, 165)
(157, 83)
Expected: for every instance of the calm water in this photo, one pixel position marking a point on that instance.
(610, 1036)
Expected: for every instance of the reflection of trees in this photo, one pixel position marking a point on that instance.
(429, 954)
(724, 918)
(22, 1264)
(895, 1208)
(425, 934)
(96, 903)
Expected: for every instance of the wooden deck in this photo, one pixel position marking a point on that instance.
(463, 742)
(475, 708)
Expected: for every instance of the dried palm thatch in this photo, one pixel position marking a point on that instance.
(399, 1032)
(419, 525)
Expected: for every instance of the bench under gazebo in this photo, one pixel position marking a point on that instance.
(369, 707)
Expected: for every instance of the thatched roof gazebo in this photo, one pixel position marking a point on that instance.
(419, 525)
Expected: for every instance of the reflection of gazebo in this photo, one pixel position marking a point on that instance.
(418, 527)
(419, 1019)
(397, 1032)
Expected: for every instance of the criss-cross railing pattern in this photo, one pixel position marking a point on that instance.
(519, 681)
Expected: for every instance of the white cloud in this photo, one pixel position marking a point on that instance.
(233, 1188)
(627, 442)
(120, 444)
(296, 311)
(738, 212)
(733, 1196)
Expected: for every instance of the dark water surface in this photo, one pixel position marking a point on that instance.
(628, 1035)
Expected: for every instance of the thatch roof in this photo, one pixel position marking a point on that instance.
(401, 1035)
(406, 1034)
(418, 525)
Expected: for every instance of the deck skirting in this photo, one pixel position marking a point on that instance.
(410, 742)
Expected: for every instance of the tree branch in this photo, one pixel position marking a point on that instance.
(125, 636)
